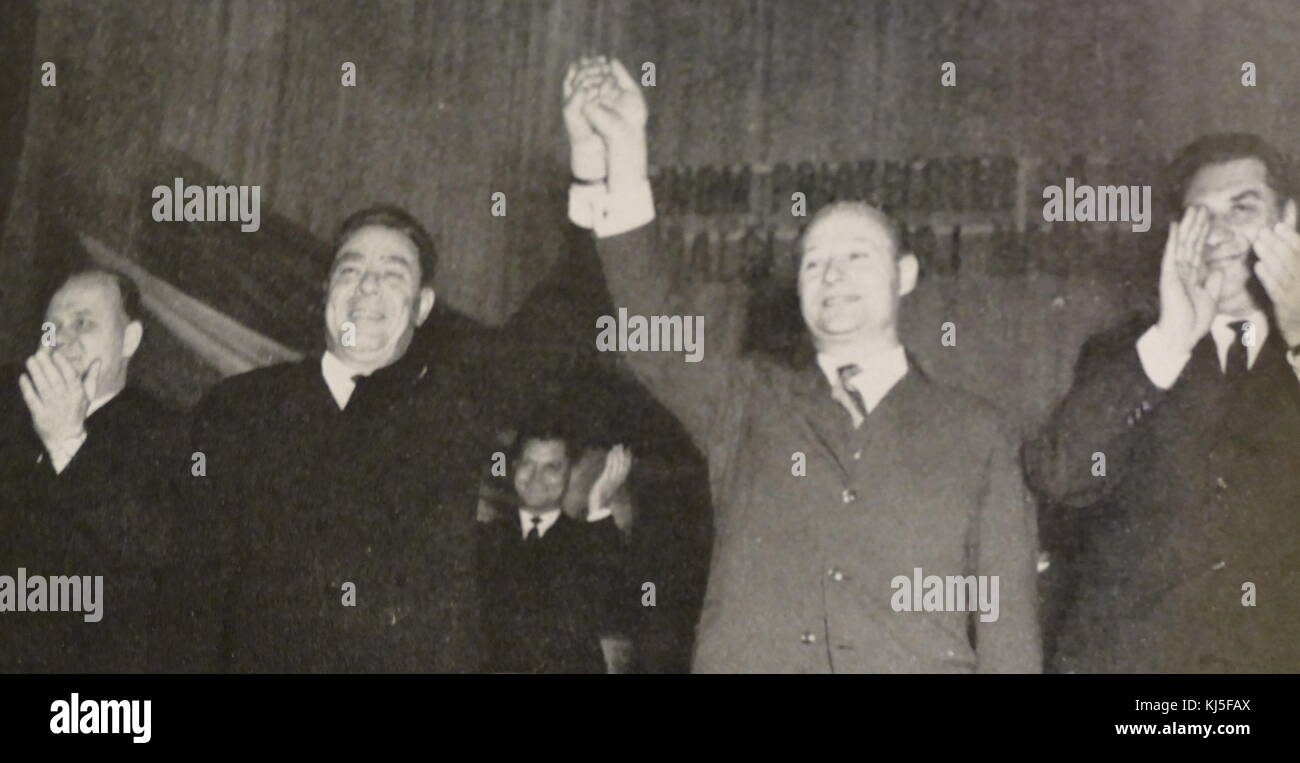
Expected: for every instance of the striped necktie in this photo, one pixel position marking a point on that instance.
(846, 373)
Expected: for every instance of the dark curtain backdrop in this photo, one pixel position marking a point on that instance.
(458, 99)
(17, 40)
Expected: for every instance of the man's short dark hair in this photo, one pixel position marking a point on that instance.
(398, 219)
(132, 305)
(547, 426)
(1218, 148)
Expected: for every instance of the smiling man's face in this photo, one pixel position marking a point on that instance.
(375, 286)
(851, 278)
(1240, 202)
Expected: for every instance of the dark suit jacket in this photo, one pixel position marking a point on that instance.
(803, 563)
(382, 495)
(110, 513)
(546, 603)
(1201, 496)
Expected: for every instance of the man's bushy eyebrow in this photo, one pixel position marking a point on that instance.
(399, 259)
(353, 256)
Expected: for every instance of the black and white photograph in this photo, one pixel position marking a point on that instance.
(515, 337)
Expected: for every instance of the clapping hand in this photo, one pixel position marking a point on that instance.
(1188, 295)
(618, 462)
(57, 396)
(1278, 269)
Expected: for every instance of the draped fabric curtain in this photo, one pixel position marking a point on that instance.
(456, 100)
(219, 340)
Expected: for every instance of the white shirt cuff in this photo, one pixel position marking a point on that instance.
(1161, 363)
(599, 514)
(1294, 359)
(582, 203)
(61, 454)
(592, 206)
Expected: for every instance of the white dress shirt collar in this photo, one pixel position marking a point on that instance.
(548, 520)
(338, 377)
(1224, 336)
(880, 372)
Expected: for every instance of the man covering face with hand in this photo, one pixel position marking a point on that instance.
(1175, 451)
(89, 462)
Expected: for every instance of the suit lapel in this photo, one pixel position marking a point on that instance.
(816, 409)
(831, 425)
(560, 532)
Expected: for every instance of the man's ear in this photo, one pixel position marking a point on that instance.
(131, 337)
(908, 269)
(427, 298)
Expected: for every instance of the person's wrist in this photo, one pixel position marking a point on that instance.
(64, 441)
(628, 167)
(72, 437)
(1175, 341)
(587, 161)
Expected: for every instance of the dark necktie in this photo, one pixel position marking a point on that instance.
(1235, 367)
(533, 533)
(846, 373)
(357, 381)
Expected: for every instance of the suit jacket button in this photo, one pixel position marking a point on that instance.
(857, 455)
(834, 574)
(849, 496)
(808, 637)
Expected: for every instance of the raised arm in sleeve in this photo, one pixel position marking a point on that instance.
(640, 280)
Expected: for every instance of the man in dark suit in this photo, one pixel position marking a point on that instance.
(86, 467)
(552, 585)
(1179, 443)
(839, 486)
(347, 482)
